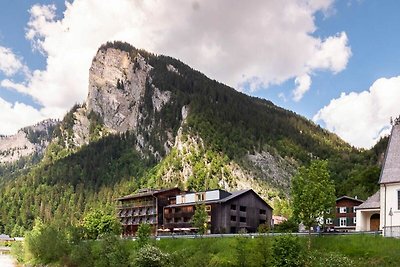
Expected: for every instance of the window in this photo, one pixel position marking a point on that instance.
(242, 219)
(328, 221)
(342, 210)
(263, 212)
(342, 222)
(208, 208)
(398, 200)
(200, 196)
(242, 208)
(187, 209)
(233, 207)
(233, 230)
(354, 220)
(233, 218)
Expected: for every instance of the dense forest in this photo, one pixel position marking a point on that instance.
(69, 181)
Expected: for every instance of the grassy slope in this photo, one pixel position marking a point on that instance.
(364, 250)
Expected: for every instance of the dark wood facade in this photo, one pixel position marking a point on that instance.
(144, 207)
(238, 211)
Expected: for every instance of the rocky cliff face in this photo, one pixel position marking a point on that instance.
(122, 98)
(29, 140)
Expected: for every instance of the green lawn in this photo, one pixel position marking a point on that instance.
(363, 250)
(325, 251)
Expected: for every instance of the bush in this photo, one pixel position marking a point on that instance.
(330, 259)
(17, 250)
(289, 226)
(151, 256)
(97, 223)
(143, 234)
(287, 251)
(46, 244)
(81, 254)
(110, 251)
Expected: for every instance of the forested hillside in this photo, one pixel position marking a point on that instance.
(188, 131)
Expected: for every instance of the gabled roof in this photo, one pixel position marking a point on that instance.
(350, 198)
(373, 202)
(391, 166)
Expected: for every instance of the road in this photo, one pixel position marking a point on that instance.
(5, 258)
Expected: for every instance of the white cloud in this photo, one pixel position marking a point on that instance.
(10, 64)
(257, 43)
(362, 118)
(14, 116)
(331, 54)
(303, 85)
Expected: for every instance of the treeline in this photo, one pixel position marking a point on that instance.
(65, 187)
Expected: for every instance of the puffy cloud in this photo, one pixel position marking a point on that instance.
(303, 85)
(14, 116)
(332, 54)
(362, 118)
(243, 44)
(10, 64)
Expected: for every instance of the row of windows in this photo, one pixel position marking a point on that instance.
(342, 221)
(345, 210)
(241, 219)
(243, 209)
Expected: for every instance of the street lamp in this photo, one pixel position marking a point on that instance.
(391, 217)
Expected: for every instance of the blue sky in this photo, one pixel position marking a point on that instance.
(371, 27)
(342, 56)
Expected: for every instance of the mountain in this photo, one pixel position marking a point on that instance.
(152, 121)
(28, 141)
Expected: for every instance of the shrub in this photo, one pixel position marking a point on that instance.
(81, 254)
(287, 251)
(17, 250)
(151, 256)
(329, 259)
(143, 234)
(289, 226)
(112, 252)
(46, 244)
(98, 223)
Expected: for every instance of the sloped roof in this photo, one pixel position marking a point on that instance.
(373, 202)
(391, 167)
(146, 192)
(350, 198)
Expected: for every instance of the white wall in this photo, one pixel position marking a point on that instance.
(212, 195)
(191, 197)
(389, 197)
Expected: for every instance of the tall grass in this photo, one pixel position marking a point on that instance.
(365, 250)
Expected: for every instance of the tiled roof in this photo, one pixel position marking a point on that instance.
(391, 166)
(373, 202)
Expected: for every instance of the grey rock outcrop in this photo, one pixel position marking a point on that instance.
(27, 141)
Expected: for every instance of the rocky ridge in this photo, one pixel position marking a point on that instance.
(27, 141)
